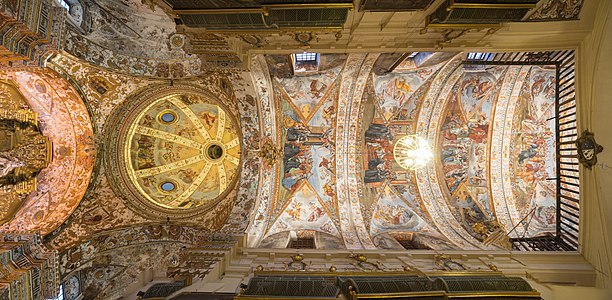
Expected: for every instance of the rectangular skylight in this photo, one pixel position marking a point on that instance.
(306, 56)
(486, 56)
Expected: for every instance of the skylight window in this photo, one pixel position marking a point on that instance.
(305, 63)
(60, 295)
(480, 56)
(306, 56)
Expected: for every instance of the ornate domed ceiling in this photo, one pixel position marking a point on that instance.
(182, 151)
(177, 151)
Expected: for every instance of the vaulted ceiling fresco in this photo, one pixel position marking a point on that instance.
(490, 127)
(171, 144)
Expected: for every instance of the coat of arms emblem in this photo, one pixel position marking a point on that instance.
(588, 149)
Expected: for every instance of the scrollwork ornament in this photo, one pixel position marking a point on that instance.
(445, 263)
(304, 38)
(269, 154)
(254, 40)
(297, 263)
(588, 149)
(364, 264)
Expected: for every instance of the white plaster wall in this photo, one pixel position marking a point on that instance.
(594, 95)
(560, 292)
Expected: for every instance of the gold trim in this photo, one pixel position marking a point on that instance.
(263, 10)
(428, 24)
(330, 29)
(275, 298)
(333, 274)
(216, 11)
(400, 295)
(309, 5)
(450, 295)
(463, 26)
(485, 273)
(480, 294)
(453, 5)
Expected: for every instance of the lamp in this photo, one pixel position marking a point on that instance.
(412, 152)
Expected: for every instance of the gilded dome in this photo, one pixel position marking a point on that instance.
(178, 150)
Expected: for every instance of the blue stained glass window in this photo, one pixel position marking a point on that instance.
(168, 117)
(168, 186)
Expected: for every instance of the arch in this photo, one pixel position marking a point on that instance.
(66, 122)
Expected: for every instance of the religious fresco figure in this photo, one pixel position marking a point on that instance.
(379, 150)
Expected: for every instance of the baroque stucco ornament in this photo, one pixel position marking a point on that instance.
(588, 149)
(175, 151)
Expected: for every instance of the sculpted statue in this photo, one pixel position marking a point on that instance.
(8, 163)
(24, 151)
(29, 152)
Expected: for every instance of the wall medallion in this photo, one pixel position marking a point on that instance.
(588, 149)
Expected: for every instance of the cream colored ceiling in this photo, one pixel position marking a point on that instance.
(153, 46)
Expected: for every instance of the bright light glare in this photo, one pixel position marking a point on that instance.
(64, 4)
(412, 152)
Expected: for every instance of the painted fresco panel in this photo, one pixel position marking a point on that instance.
(462, 101)
(307, 194)
(306, 93)
(394, 93)
(533, 155)
(464, 144)
(304, 212)
(391, 202)
(392, 213)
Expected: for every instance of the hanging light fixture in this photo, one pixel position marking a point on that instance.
(412, 152)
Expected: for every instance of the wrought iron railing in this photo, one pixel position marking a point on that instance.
(567, 175)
